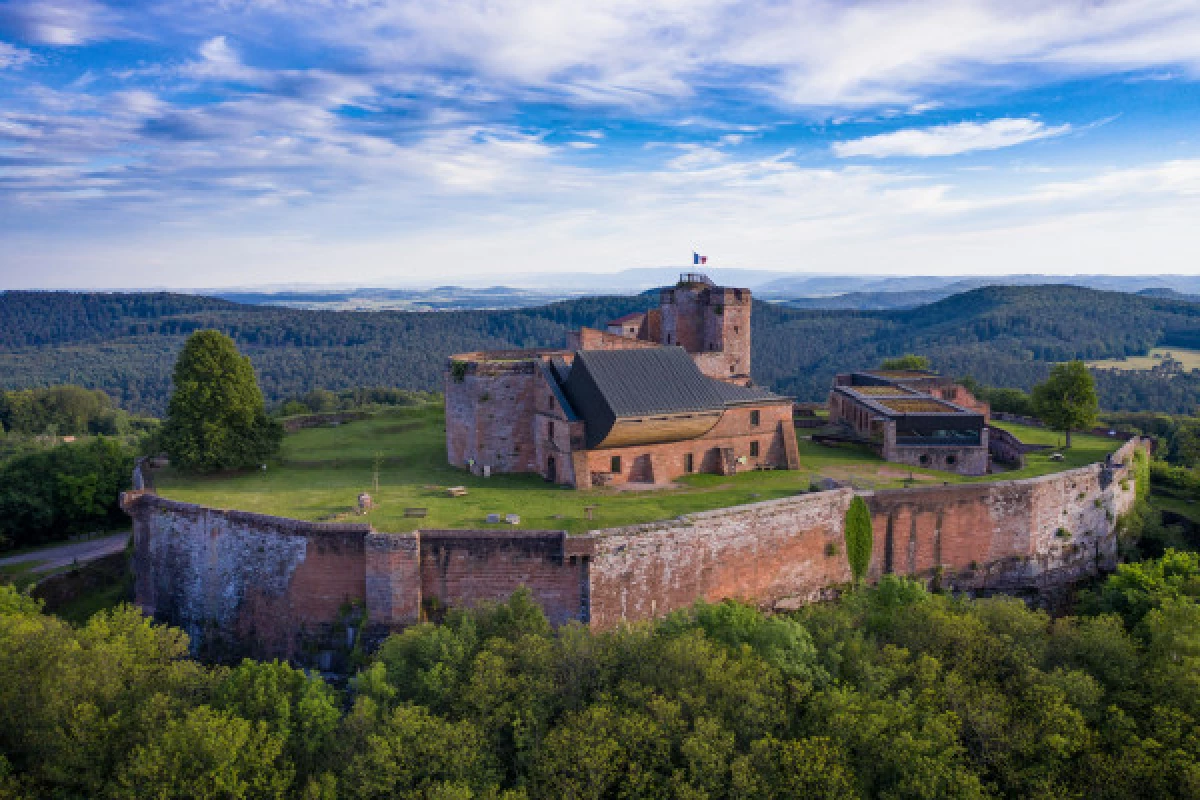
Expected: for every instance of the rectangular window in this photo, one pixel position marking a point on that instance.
(755, 417)
(550, 429)
(754, 449)
(689, 464)
(616, 464)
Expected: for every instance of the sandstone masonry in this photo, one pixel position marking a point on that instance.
(249, 584)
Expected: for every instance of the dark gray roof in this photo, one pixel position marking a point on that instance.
(734, 395)
(635, 383)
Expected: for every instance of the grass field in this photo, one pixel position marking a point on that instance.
(322, 470)
(21, 575)
(1189, 358)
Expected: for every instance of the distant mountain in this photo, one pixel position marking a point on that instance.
(810, 291)
(1170, 294)
(126, 344)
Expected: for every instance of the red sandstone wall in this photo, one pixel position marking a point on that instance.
(987, 536)
(277, 587)
(772, 553)
(264, 582)
(465, 568)
(489, 415)
(733, 430)
(593, 339)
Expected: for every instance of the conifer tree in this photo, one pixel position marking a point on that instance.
(216, 418)
(859, 538)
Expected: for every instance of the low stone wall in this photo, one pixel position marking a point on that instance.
(250, 584)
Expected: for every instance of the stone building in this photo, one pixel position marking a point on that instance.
(913, 417)
(652, 397)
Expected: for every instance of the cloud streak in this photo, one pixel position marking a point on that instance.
(949, 140)
(506, 123)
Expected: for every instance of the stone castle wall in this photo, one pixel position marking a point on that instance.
(267, 586)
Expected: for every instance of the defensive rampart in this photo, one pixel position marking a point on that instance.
(250, 584)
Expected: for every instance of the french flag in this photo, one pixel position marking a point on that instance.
(699, 259)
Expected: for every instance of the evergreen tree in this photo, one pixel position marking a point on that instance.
(859, 538)
(1067, 400)
(216, 418)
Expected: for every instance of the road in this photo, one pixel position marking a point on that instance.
(64, 555)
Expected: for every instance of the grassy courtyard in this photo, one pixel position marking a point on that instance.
(321, 471)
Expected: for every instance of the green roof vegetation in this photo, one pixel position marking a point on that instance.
(321, 471)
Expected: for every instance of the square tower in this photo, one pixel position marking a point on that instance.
(711, 322)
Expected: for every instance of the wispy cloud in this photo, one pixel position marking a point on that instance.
(949, 140)
(479, 120)
(13, 56)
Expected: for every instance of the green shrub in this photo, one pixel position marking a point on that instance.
(859, 538)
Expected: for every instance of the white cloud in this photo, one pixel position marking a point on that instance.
(949, 140)
(12, 57)
(57, 22)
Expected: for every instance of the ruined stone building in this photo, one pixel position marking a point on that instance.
(914, 417)
(654, 396)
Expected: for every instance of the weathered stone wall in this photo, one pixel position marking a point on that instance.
(780, 552)
(490, 410)
(594, 339)
(241, 583)
(465, 568)
(1020, 536)
(968, 460)
(250, 584)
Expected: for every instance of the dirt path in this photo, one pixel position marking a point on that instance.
(64, 555)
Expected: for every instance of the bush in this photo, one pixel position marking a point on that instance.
(69, 489)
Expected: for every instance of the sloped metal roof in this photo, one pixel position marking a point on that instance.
(641, 382)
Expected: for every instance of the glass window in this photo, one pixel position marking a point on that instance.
(689, 464)
(754, 448)
(755, 417)
(616, 464)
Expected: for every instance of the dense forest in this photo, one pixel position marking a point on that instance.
(126, 344)
(890, 692)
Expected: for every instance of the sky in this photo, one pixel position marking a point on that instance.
(186, 143)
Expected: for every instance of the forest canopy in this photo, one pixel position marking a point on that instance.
(1009, 336)
(889, 692)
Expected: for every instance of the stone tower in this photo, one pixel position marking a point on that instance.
(712, 323)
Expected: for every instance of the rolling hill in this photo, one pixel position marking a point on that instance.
(1002, 335)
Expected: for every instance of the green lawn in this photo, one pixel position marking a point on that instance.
(322, 470)
(1085, 449)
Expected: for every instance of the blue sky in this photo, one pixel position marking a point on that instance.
(202, 144)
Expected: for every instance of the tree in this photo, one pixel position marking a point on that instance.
(906, 361)
(859, 538)
(216, 418)
(1067, 399)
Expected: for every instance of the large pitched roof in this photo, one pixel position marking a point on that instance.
(635, 383)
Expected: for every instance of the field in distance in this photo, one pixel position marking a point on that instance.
(322, 470)
(1188, 359)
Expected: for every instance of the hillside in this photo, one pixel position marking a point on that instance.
(126, 343)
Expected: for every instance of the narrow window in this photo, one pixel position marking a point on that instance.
(755, 416)
(689, 464)
(550, 429)
(735, 328)
(616, 464)
(754, 449)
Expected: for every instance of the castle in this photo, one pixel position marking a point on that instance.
(653, 397)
